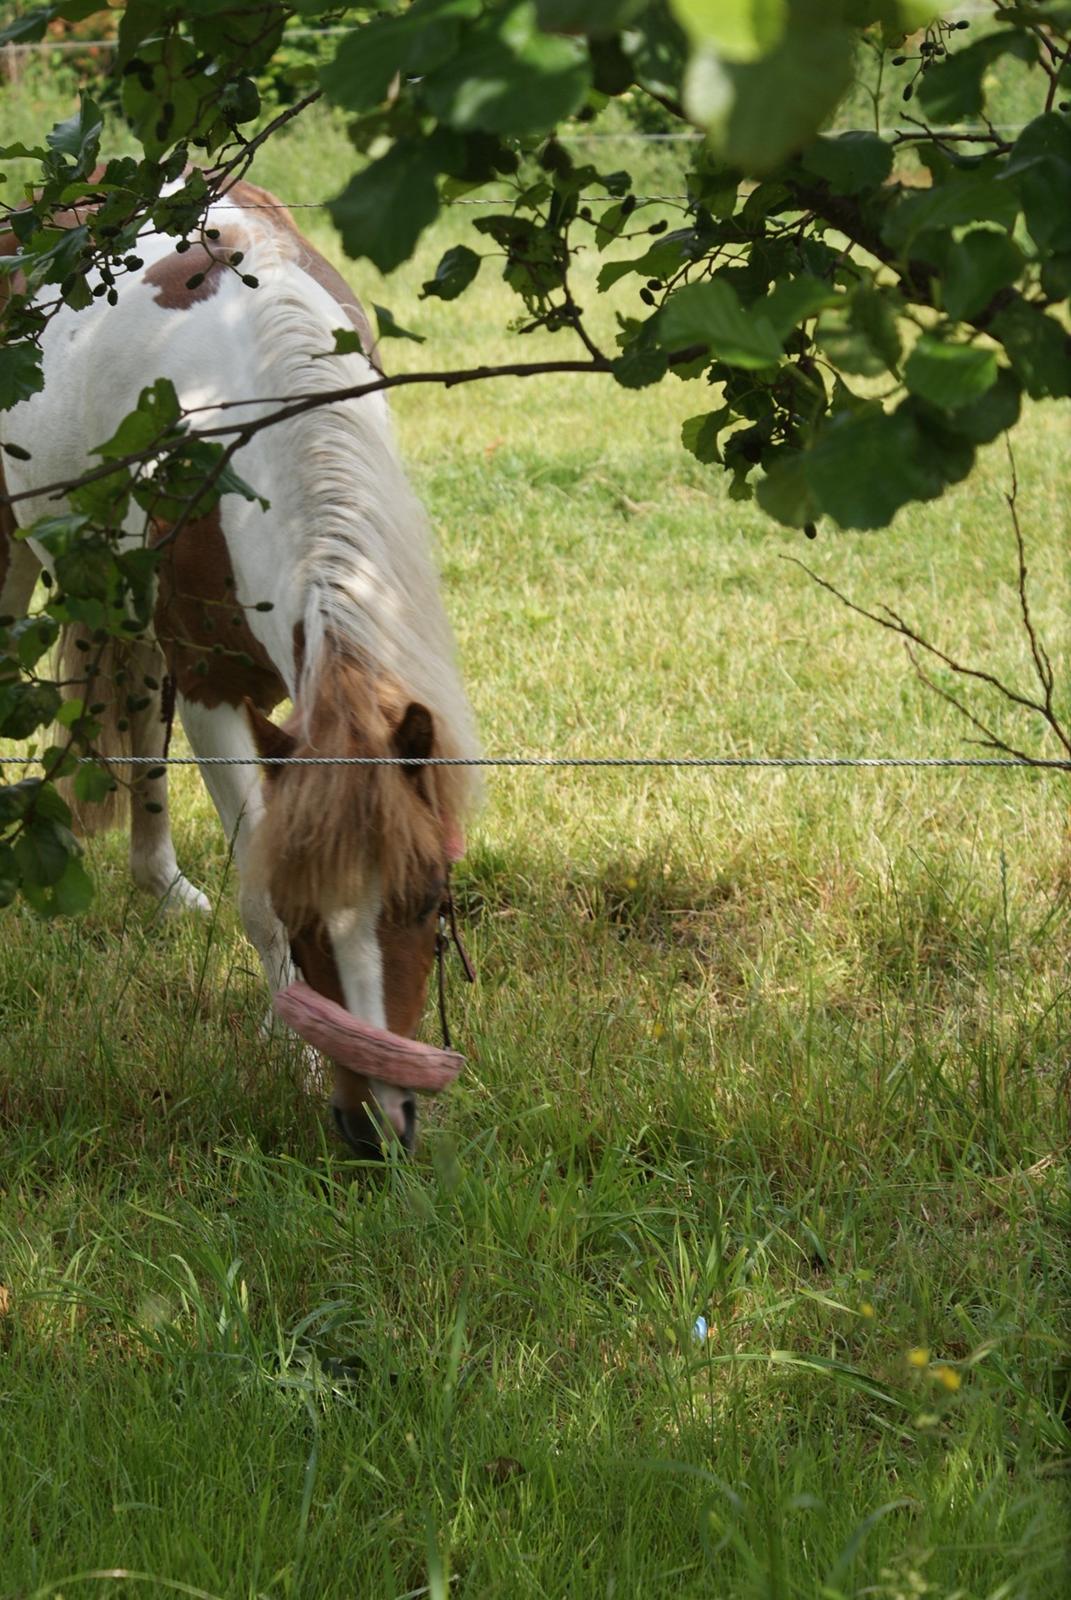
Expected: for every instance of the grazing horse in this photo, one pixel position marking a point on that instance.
(341, 870)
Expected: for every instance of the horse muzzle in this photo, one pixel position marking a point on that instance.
(369, 1128)
(377, 1073)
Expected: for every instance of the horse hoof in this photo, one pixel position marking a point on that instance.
(180, 895)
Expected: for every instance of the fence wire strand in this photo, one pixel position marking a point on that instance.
(685, 762)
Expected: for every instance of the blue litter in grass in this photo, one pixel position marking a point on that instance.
(699, 1328)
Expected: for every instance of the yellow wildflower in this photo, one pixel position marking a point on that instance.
(947, 1375)
(867, 1310)
(919, 1357)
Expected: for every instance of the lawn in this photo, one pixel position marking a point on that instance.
(784, 1050)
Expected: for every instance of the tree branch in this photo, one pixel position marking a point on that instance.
(894, 623)
(309, 402)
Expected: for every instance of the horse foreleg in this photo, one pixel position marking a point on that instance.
(153, 865)
(224, 731)
(19, 567)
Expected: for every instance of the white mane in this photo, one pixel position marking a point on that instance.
(366, 567)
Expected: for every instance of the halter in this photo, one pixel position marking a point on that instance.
(449, 934)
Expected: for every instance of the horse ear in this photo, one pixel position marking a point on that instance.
(269, 738)
(414, 736)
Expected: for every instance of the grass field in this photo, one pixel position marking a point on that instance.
(784, 1050)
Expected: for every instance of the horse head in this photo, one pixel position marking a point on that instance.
(356, 862)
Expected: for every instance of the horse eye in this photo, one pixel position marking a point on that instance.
(431, 902)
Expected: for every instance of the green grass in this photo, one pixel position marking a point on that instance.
(787, 1050)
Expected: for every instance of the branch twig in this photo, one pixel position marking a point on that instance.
(894, 623)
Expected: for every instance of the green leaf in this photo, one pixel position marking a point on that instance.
(740, 30)
(383, 210)
(793, 300)
(953, 90)
(456, 270)
(156, 416)
(163, 102)
(347, 343)
(711, 314)
(1038, 347)
(88, 569)
(872, 314)
(967, 197)
(69, 713)
(785, 493)
(758, 112)
(994, 413)
(57, 534)
(20, 373)
(29, 28)
(91, 784)
(659, 51)
(850, 162)
(974, 267)
(847, 345)
(367, 59)
(865, 465)
(80, 134)
(599, 19)
(700, 434)
(640, 366)
(42, 851)
(388, 328)
(73, 894)
(949, 375)
(1040, 169)
(230, 481)
(896, 16)
(25, 707)
(32, 637)
(509, 77)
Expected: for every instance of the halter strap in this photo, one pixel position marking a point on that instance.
(449, 934)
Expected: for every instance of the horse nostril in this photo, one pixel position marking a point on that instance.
(356, 1129)
(366, 1134)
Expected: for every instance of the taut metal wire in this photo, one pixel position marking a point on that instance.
(687, 762)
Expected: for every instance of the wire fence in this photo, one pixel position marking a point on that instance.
(583, 762)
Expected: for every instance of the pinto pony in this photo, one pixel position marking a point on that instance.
(342, 870)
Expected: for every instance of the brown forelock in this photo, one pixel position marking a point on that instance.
(212, 654)
(208, 262)
(328, 830)
(308, 258)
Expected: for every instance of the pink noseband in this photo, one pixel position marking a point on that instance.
(370, 1052)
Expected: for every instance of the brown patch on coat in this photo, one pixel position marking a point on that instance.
(314, 955)
(207, 261)
(212, 654)
(308, 258)
(408, 952)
